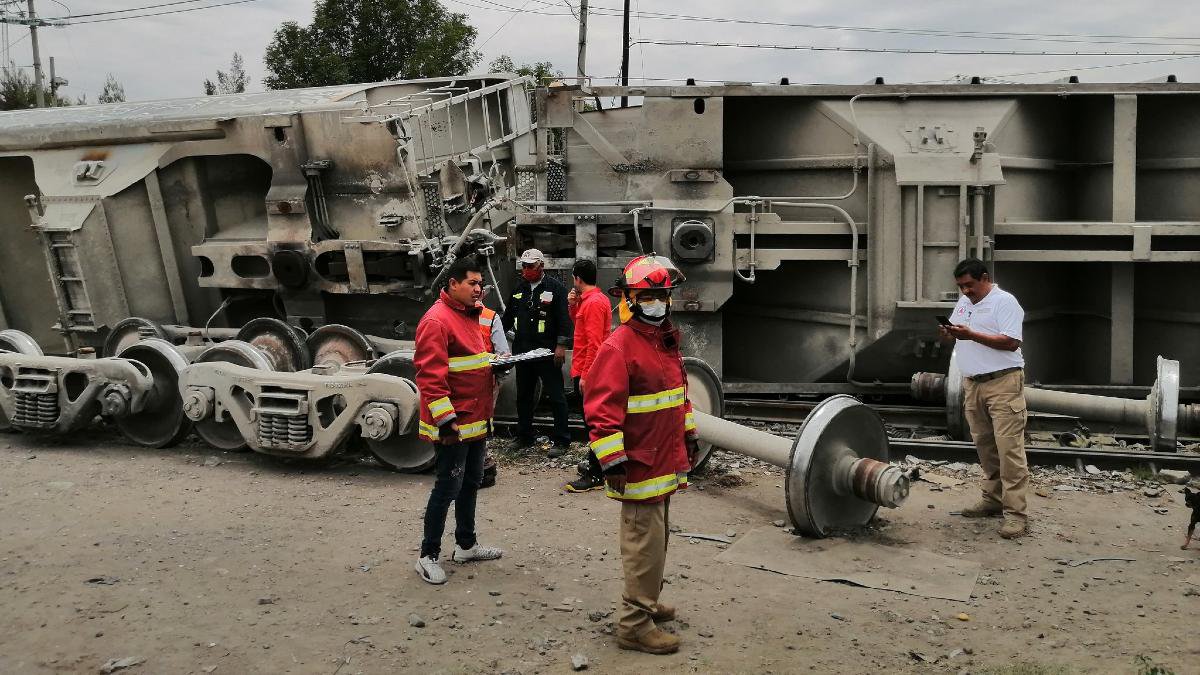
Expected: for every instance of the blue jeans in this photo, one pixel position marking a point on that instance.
(459, 473)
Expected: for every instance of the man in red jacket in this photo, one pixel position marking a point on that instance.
(592, 316)
(454, 377)
(642, 432)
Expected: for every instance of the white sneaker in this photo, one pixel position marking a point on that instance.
(476, 552)
(430, 570)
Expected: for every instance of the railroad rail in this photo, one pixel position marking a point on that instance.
(964, 451)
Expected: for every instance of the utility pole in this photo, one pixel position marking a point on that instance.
(581, 60)
(37, 57)
(33, 23)
(624, 54)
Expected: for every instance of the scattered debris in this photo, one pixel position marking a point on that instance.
(416, 621)
(266, 600)
(579, 662)
(938, 479)
(212, 461)
(707, 537)
(778, 523)
(1088, 561)
(963, 616)
(1175, 476)
(102, 581)
(113, 665)
(837, 617)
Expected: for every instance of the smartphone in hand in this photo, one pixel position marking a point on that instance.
(944, 320)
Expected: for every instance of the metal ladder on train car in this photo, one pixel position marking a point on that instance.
(425, 121)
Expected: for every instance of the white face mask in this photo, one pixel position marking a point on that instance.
(655, 309)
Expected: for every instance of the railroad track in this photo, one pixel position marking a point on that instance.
(954, 451)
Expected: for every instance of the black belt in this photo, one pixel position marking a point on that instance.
(984, 377)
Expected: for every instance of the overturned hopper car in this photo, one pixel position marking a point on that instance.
(818, 225)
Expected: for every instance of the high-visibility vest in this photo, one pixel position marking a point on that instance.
(486, 318)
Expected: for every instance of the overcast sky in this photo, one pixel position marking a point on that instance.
(170, 56)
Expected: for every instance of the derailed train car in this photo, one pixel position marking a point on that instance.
(278, 203)
(817, 225)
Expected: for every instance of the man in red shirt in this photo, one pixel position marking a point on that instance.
(454, 378)
(642, 432)
(592, 315)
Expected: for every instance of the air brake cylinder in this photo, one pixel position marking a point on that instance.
(837, 465)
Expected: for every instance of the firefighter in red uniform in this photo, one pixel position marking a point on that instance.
(454, 377)
(642, 432)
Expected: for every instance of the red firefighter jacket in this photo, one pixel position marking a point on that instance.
(454, 373)
(637, 410)
(592, 317)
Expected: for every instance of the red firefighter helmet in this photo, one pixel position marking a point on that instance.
(645, 272)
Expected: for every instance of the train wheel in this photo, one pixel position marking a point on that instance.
(404, 451)
(161, 423)
(224, 434)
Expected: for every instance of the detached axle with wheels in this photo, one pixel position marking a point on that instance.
(837, 470)
(1160, 413)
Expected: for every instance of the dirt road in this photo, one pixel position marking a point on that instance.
(237, 563)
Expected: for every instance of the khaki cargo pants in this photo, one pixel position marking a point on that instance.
(995, 411)
(643, 556)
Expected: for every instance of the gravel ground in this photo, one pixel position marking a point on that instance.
(199, 562)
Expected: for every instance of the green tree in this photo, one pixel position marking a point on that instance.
(113, 92)
(352, 41)
(233, 81)
(18, 92)
(542, 71)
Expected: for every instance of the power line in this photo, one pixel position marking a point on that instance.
(506, 22)
(1081, 38)
(1069, 70)
(124, 11)
(164, 13)
(902, 50)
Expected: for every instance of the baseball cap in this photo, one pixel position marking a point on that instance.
(532, 256)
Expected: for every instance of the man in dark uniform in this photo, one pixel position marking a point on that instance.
(537, 314)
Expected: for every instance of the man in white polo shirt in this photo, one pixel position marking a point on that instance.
(986, 325)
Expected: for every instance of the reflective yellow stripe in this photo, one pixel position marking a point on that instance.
(441, 406)
(465, 431)
(645, 403)
(460, 364)
(472, 430)
(608, 446)
(427, 431)
(648, 489)
(689, 422)
(542, 326)
(518, 296)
